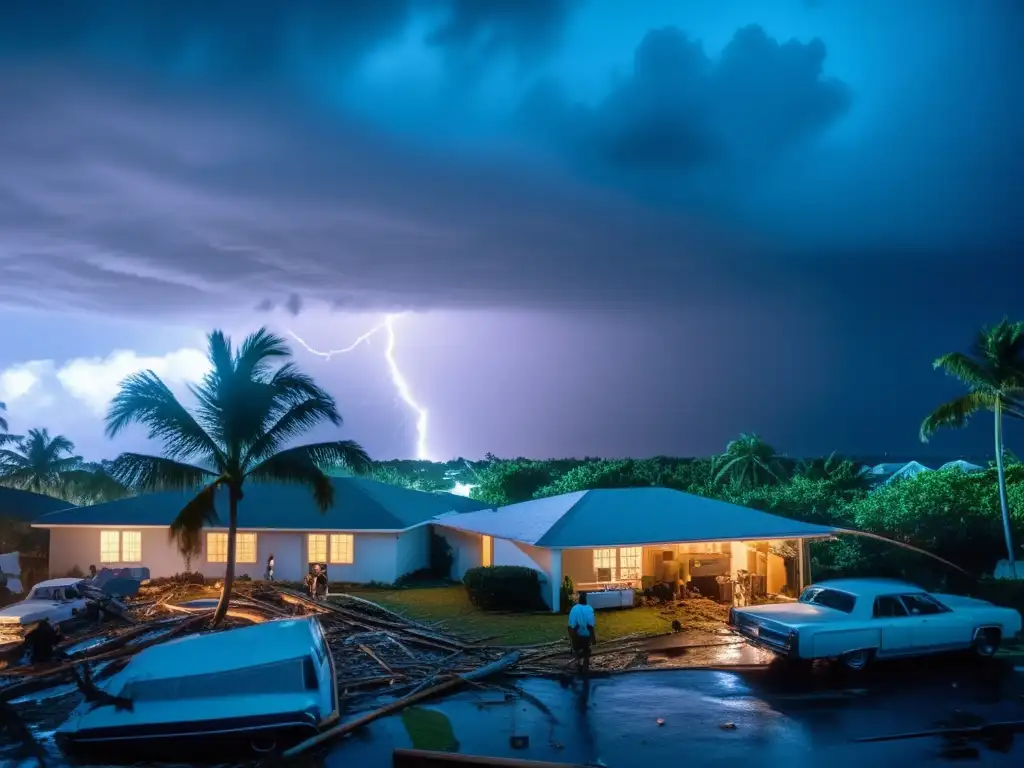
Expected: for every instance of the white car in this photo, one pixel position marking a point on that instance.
(858, 620)
(58, 600)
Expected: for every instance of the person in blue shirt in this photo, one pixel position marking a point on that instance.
(582, 631)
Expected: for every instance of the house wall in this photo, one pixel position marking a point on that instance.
(467, 550)
(413, 550)
(381, 557)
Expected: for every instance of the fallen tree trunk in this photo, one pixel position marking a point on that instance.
(479, 673)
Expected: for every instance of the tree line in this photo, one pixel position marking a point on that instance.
(254, 403)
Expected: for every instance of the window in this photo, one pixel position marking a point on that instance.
(604, 564)
(245, 547)
(131, 546)
(110, 546)
(486, 551)
(889, 607)
(317, 547)
(923, 605)
(216, 547)
(629, 563)
(830, 598)
(341, 548)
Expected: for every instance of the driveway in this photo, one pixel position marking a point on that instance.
(715, 718)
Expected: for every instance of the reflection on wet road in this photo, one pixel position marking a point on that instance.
(715, 718)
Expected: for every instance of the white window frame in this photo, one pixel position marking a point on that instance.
(342, 549)
(635, 557)
(128, 556)
(606, 557)
(216, 554)
(110, 546)
(314, 542)
(249, 535)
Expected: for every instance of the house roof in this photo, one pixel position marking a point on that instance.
(960, 464)
(25, 505)
(910, 469)
(628, 517)
(359, 504)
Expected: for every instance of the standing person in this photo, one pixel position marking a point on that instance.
(270, 567)
(582, 631)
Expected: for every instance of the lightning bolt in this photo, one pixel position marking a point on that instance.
(397, 377)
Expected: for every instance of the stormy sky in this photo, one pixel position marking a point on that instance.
(607, 228)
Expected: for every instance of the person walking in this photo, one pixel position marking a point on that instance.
(582, 631)
(270, 567)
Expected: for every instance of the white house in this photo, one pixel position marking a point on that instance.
(634, 537)
(374, 532)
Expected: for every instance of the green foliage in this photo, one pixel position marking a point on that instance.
(950, 513)
(504, 588)
(512, 481)
(814, 501)
(748, 462)
(565, 595)
(39, 463)
(429, 729)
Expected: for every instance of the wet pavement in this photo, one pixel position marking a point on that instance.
(713, 718)
(709, 717)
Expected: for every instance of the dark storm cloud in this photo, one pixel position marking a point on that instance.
(679, 109)
(480, 29)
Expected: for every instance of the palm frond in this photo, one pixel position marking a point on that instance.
(143, 473)
(257, 351)
(145, 399)
(297, 420)
(3, 421)
(199, 513)
(296, 466)
(967, 369)
(956, 413)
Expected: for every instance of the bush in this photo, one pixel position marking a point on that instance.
(504, 588)
(1005, 592)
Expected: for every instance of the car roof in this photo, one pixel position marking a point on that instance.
(870, 587)
(64, 582)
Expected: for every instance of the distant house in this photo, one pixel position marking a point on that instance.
(375, 532)
(963, 466)
(908, 470)
(632, 537)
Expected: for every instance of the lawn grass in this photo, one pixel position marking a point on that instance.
(450, 606)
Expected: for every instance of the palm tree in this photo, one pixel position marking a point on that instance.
(993, 372)
(38, 462)
(92, 483)
(248, 412)
(748, 462)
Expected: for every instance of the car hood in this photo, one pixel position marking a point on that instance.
(792, 613)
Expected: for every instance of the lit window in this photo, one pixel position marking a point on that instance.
(486, 551)
(629, 563)
(216, 547)
(317, 548)
(605, 558)
(110, 546)
(341, 548)
(131, 546)
(245, 547)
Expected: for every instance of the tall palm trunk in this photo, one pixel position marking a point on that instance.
(1000, 472)
(234, 494)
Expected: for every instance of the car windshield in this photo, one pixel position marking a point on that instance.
(830, 598)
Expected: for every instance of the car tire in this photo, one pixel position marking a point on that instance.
(986, 643)
(857, 661)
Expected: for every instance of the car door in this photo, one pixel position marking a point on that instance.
(935, 627)
(895, 626)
